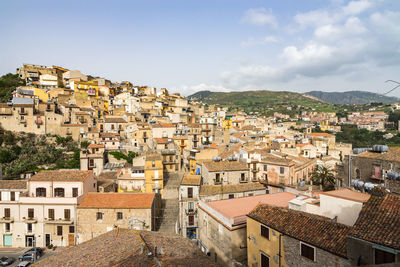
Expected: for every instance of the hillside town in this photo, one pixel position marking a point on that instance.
(166, 180)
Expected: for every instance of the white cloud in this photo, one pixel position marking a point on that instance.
(259, 41)
(346, 43)
(357, 7)
(260, 17)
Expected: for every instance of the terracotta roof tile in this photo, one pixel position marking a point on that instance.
(117, 201)
(191, 179)
(379, 221)
(13, 184)
(216, 166)
(207, 190)
(309, 228)
(61, 175)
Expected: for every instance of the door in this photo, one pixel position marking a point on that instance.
(191, 220)
(264, 260)
(29, 241)
(190, 192)
(71, 239)
(48, 240)
(7, 240)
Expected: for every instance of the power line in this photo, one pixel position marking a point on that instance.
(394, 88)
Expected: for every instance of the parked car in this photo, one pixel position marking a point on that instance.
(28, 256)
(37, 250)
(24, 264)
(4, 261)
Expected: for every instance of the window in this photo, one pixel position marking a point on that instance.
(307, 251)
(264, 260)
(242, 177)
(190, 206)
(12, 196)
(190, 192)
(59, 230)
(29, 227)
(358, 174)
(153, 164)
(231, 196)
(265, 231)
(282, 170)
(31, 213)
(41, 192)
(75, 192)
(67, 214)
(72, 229)
(51, 214)
(217, 178)
(59, 192)
(7, 213)
(91, 162)
(265, 168)
(8, 227)
(382, 257)
(119, 216)
(99, 216)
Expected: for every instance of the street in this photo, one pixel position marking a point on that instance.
(16, 252)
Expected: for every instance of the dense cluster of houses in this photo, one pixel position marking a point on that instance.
(244, 193)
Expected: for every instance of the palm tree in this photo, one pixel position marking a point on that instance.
(324, 176)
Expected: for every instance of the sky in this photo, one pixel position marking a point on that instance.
(218, 45)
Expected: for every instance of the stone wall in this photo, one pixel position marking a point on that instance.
(323, 258)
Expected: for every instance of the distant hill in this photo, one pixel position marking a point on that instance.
(264, 102)
(352, 97)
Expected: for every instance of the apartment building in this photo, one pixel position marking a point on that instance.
(224, 172)
(46, 213)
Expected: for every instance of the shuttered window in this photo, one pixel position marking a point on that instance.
(307, 251)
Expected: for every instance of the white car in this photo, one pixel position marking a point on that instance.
(24, 264)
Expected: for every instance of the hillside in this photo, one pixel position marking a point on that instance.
(8, 83)
(352, 97)
(264, 102)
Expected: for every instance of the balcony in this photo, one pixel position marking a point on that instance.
(168, 152)
(255, 169)
(206, 130)
(59, 221)
(243, 180)
(7, 220)
(22, 112)
(29, 219)
(191, 211)
(22, 120)
(82, 121)
(216, 182)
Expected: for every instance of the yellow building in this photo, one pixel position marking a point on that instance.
(42, 94)
(153, 173)
(227, 123)
(263, 243)
(85, 90)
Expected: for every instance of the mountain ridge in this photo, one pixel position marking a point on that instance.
(352, 97)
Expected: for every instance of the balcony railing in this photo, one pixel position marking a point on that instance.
(191, 211)
(29, 219)
(59, 221)
(255, 169)
(7, 220)
(22, 112)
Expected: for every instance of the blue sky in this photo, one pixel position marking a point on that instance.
(331, 45)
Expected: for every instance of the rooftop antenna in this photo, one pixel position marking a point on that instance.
(391, 90)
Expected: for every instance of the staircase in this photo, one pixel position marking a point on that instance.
(170, 203)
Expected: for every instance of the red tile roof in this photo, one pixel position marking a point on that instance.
(309, 228)
(348, 194)
(117, 201)
(61, 175)
(96, 146)
(379, 221)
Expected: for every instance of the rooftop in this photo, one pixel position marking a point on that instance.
(379, 221)
(216, 166)
(393, 154)
(309, 228)
(117, 201)
(61, 175)
(191, 179)
(206, 190)
(236, 209)
(123, 247)
(348, 194)
(13, 184)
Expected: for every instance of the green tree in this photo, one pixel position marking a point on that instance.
(8, 83)
(324, 176)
